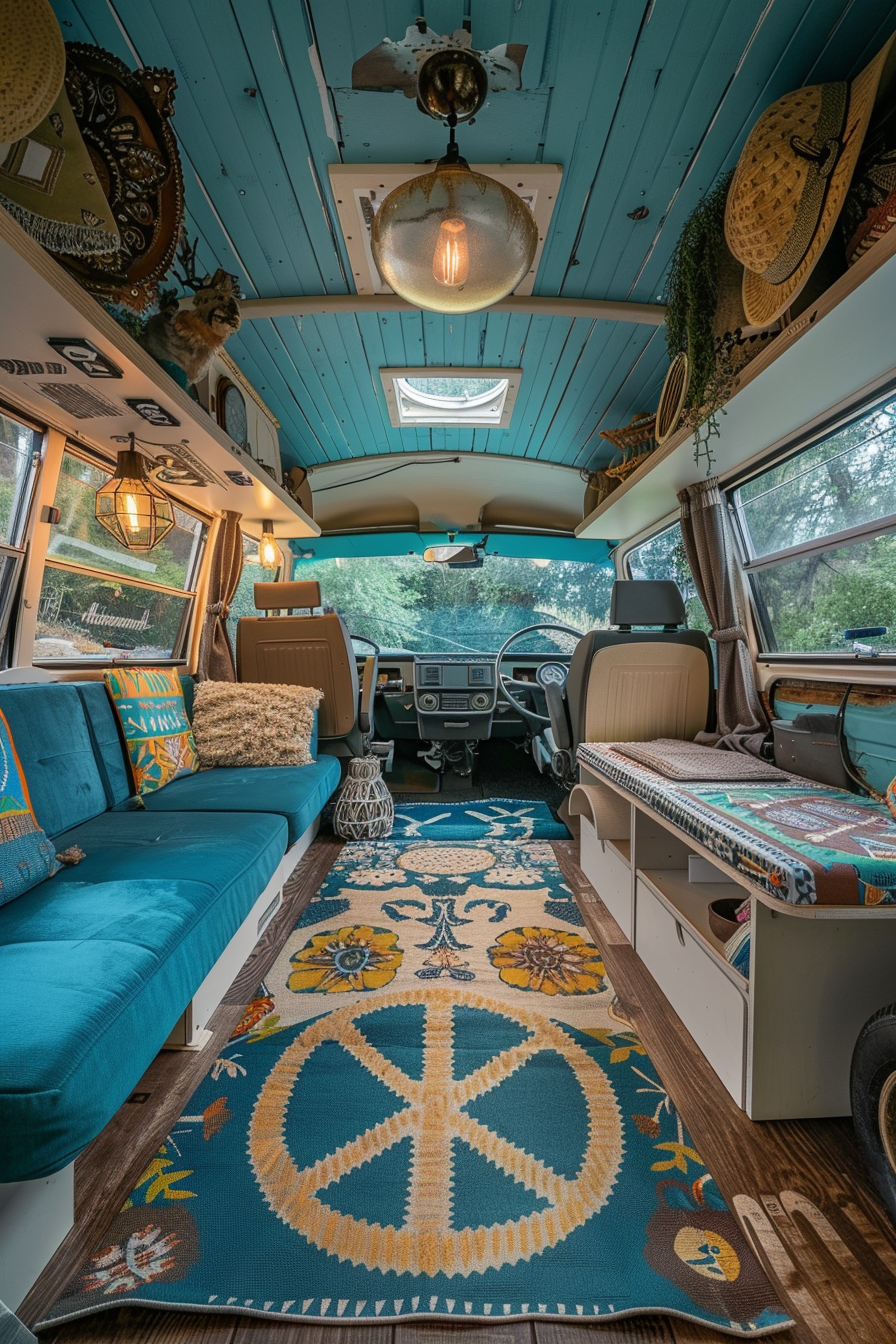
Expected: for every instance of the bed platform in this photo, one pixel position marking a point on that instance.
(819, 868)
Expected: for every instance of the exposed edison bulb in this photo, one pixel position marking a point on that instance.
(451, 259)
(130, 508)
(268, 553)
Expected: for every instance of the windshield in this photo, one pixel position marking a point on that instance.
(401, 602)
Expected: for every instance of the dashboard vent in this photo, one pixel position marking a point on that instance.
(455, 702)
(432, 674)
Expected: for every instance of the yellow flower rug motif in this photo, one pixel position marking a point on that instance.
(433, 1108)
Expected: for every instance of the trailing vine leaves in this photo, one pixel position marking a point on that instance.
(692, 295)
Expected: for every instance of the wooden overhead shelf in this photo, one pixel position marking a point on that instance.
(838, 352)
(41, 300)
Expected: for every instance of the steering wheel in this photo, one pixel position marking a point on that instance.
(509, 685)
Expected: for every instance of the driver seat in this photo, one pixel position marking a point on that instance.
(628, 685)
(309, 650)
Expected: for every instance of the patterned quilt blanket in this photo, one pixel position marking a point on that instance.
(800, 842)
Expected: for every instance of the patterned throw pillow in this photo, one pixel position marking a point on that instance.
(253, 723)
(150, 705)
(890, 796)
(26, 855)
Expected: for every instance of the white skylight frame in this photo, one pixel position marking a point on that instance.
(410, 409)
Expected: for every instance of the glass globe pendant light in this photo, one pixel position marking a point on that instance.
(131, 506)
(453, 241)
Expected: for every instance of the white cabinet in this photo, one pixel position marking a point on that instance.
(781, 1043)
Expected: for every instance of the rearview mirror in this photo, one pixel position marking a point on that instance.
(453, 555)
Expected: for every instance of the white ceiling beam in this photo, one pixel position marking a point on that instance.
(308, 305)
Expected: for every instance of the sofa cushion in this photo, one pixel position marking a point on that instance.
(108, 744)
(150, 705)
(255, 724)
(53, 743)
(296, 792)
(209, 847)
(103, 968)
(26, 855)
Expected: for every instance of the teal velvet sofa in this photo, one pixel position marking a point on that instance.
(99, 963)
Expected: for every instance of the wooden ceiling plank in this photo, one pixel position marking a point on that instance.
(286, 389)
(562, 360)
(632, 385)
(292, 100)
(369, 332)
(305, 383)
(583, 396)
(220, 69)
(511, 357)
(778, 61)
(542, 332)
(497, 21)
(342, 339)
(591, 55)
(327, 383)
(661, 118)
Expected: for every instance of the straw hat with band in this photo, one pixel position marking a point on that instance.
(33, 65)
(791, 181)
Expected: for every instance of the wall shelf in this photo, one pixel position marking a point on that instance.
(41, 300)
(839, 351)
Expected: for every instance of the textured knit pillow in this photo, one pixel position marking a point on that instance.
(26, 855)
(253, 723)
(150, 705)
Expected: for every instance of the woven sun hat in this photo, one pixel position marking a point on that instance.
(791, 181)
(32, 67)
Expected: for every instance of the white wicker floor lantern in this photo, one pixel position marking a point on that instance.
(364, 809)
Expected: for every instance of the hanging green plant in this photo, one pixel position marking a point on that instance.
(692, 296)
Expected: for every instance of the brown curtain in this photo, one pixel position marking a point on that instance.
(215, 657)
(742, 723)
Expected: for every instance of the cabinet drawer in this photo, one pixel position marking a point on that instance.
(609, 872)
(700, 988)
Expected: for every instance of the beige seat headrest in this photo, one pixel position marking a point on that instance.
(288, 596)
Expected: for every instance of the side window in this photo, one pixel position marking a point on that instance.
(662, 557)
(819, 533)
(100, 601)
(19, 461)
(243, 603)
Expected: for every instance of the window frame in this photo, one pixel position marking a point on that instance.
(180, 651)
(750, 563)
(20, 527)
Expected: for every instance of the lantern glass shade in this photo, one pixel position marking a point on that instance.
(453, 241)
(268, 550)
(132, 507)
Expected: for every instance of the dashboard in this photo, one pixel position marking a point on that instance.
(453, 697)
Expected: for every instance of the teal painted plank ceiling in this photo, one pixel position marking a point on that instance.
(642, 102)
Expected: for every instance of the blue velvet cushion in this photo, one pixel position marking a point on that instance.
(54, 745)
(101, 962)
(26, 855)
(296, 792)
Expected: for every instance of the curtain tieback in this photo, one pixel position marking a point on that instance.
(218, 609)
(729, 636)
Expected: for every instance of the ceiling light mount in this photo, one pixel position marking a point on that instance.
(451, 82)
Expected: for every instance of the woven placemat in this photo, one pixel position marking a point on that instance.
(692, 761)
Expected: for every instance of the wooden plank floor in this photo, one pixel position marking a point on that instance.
(833, 1258)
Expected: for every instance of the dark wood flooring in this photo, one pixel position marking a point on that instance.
(832, 1256)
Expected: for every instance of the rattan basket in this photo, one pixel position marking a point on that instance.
(636, 441)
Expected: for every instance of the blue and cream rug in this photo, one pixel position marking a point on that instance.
(433, 1109)
(485, 819)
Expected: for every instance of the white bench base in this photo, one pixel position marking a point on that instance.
(35, 1218)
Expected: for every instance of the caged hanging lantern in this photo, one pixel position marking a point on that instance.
(133, 508)
(453, 241)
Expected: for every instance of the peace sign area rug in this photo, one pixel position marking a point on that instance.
(432, 1109)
